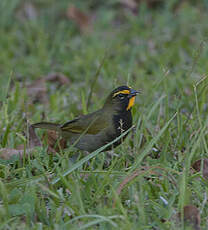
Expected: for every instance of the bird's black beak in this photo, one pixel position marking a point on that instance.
(133, 93)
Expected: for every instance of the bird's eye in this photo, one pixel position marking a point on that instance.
(121, 96)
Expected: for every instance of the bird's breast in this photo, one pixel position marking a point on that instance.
(122, 122)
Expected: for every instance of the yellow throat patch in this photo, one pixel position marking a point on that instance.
(131, 103)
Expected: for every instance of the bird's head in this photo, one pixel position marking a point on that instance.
(121, 98)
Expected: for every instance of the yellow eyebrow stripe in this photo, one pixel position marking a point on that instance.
(125, 91)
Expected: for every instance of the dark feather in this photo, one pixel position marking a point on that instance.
(47, 125)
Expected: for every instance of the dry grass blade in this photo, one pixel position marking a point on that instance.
(34, 141)
(131, 177)
(94, 80)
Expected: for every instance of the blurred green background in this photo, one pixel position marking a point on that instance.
(157, 46)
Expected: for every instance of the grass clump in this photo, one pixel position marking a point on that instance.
(148, 179)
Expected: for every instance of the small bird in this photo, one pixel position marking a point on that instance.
(90, 132)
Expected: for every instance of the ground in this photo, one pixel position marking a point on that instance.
(53, 55)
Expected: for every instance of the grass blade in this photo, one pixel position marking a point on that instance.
(4, 87)
(151, 144)
(88, 157)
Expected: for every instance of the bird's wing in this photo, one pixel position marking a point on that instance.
(89, 124)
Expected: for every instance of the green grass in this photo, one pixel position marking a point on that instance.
(161, 51)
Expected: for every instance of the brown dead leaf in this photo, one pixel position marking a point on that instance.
(37, 91)
(60, 78)
(81, 18)
(54, 143)
(191, 216)
(20, 147)
(197, 166)
(7, 153)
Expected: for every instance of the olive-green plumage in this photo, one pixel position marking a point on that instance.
(100, 127)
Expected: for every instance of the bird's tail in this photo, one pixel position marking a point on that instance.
(47, 125)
